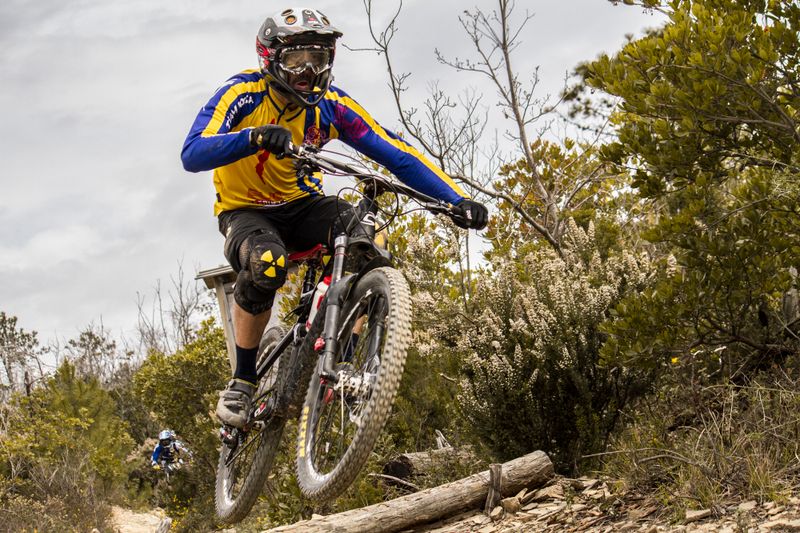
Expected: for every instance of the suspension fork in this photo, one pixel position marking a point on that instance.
(365, 218)
(334, 300)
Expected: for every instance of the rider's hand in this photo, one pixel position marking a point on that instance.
(473, 215)
(272, 138)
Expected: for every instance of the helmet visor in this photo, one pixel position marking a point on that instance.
(297, 59)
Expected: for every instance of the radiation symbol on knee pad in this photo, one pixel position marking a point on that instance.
(268, 258)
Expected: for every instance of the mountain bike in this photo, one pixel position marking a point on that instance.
(348, 347)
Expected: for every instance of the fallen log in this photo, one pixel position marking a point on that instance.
(531, 470)
(411, 464)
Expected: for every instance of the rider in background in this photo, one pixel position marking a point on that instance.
(264, 206)
(169, 450)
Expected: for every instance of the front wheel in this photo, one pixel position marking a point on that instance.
(246, 460)
(341, 421)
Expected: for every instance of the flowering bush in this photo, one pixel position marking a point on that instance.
(532, 375)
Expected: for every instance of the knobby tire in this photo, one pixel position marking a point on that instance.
(316, 481)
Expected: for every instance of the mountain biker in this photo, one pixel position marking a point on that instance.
(168, 450)
(263, 205)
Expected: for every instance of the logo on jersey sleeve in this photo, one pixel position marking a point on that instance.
(314, 136)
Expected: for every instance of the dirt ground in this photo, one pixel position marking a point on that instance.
(569, 505)
(127, 521)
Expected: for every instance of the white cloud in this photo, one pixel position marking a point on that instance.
(98, 97)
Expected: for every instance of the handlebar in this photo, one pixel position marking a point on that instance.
(311, 154)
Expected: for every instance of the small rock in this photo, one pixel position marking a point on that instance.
(641, 512)
(510, 505)
(521, 494)
(769, 505)
(587, 483)
(695, 515)
(496, 514)
(747, 506)
(314, 516)
(724, 528)
(776, 510)
(578, 507)
(481, 519)
(597, 494)
(487, 529)
(781, 525)
(553, 491)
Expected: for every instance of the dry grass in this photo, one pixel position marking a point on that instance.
(734, 443)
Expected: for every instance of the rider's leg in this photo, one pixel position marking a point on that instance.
(256, 251)
(247, 329)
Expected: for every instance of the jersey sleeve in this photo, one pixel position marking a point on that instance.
(156, 453)
(212, 141)
(356, 128)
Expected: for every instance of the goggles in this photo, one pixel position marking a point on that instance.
(297, 59)
(165, 442)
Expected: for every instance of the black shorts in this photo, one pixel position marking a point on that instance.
(298, 225)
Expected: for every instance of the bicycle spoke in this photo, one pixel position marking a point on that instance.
(340, 409)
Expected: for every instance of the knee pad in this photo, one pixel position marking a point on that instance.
(250, 297)
(266, 260)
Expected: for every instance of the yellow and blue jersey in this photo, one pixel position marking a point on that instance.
(249, 177)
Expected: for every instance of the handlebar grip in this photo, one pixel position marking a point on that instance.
(295, 149)
(457, 214)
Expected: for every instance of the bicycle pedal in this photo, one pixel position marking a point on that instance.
(260, 410)
(227, 437)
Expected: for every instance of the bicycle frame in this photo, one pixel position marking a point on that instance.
(337, 292)
(360, 232)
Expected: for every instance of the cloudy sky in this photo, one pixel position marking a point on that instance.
(98, 96)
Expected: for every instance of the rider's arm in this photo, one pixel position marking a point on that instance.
(212, 141)
(356, 128)
(156, 454)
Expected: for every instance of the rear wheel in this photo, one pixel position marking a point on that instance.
(246, 459)
(341, 421)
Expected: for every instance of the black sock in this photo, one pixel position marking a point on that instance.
(246, 364)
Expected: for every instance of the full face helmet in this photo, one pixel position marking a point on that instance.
(166, 437)
(295, 52)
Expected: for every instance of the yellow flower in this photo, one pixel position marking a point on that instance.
(674, 360)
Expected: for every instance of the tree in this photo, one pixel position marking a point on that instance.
(708, 125)
(452, 131)
(20, 355)
(94, 354)
(169, 326)
(63, 446)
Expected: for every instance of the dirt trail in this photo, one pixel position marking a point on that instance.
(127, 521)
